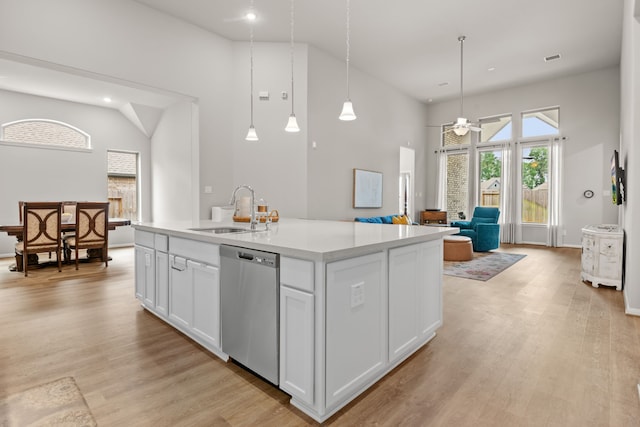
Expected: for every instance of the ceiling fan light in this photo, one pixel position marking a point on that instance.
(252, 135)
(347, 113)
(292, 124)
(461, 130)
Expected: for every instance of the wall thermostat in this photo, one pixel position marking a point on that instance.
(588, 194)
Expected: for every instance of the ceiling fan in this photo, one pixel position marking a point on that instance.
(462, 125)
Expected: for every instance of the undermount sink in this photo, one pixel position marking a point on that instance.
(221, 230)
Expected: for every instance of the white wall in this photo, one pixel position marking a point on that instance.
(630, 157)
(386, 120)
(174, 169)
(38, 174)
(589, 117)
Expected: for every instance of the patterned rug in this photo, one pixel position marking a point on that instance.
(58, 403)
(483, 266)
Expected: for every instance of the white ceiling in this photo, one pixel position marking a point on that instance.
(410, 44)
(413, 44)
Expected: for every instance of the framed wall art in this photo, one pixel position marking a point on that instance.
(367, 189)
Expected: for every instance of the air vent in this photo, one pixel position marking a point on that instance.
(552, 57)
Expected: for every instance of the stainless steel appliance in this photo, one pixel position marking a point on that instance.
(249, 298)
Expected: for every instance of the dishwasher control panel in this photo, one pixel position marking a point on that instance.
(263, 258)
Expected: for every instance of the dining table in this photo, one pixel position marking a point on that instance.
(65, 227)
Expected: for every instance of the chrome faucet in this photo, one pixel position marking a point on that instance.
(252, 206)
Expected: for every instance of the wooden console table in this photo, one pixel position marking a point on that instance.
(433, 217)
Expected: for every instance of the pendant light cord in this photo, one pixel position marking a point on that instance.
(292, 54)
(251, 66)
(461, 39)
(348, 45)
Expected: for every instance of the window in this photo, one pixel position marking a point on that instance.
(122, 177)
(541, 122)
(490, 168)
(42, 132)
(535, 185)
(496, 129)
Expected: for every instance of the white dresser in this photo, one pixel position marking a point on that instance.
(602, 250)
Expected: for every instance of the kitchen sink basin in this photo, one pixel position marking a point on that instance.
(221, 230)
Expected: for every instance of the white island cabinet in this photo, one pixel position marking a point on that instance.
(355, 299)
(297, 328)
(178, 280)
(194, 290)
(415, 296)
(152, 270)
(356, 325)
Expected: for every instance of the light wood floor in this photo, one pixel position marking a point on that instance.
(533, 346)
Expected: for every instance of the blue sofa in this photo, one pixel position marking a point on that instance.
(388, 219)
(483, 229)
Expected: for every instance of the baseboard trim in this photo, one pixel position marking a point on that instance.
(572, 246)
(122, 245)
(629, 310)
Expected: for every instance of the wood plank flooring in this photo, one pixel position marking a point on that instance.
(534, 346)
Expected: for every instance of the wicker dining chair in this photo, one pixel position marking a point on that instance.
(41, 231)
(92, 230)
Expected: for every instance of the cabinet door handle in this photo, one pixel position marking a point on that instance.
(178, 264)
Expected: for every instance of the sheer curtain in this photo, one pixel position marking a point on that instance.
(509, 196)
(555, 189)
(441, 190)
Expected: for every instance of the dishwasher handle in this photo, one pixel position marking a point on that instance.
(245, 256)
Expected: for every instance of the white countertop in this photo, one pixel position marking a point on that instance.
(316, 240)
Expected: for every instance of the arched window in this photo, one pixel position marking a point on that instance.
(45, 132)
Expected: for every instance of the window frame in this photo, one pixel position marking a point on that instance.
(536, 137)
(138, 215)
(50, 145)
(530, 144)
(490, 119)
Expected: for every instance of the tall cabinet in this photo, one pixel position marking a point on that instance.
(602, 255)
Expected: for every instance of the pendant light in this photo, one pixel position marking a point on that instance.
(292, 124)
(347, 113)
(251, 134)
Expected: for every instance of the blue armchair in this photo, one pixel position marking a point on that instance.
(483, 229)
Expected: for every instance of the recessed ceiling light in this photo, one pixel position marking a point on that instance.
(251, 16)
(552, 57)
(491, 69)
(443, 84)
(106, 99)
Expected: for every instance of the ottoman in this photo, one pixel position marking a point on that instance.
(458, 248)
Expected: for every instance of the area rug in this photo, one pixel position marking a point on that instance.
(483, 266)
(58, 403)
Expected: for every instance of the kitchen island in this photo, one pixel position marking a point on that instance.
(355, 299)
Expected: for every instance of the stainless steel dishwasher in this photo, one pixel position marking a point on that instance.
(249, 297)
